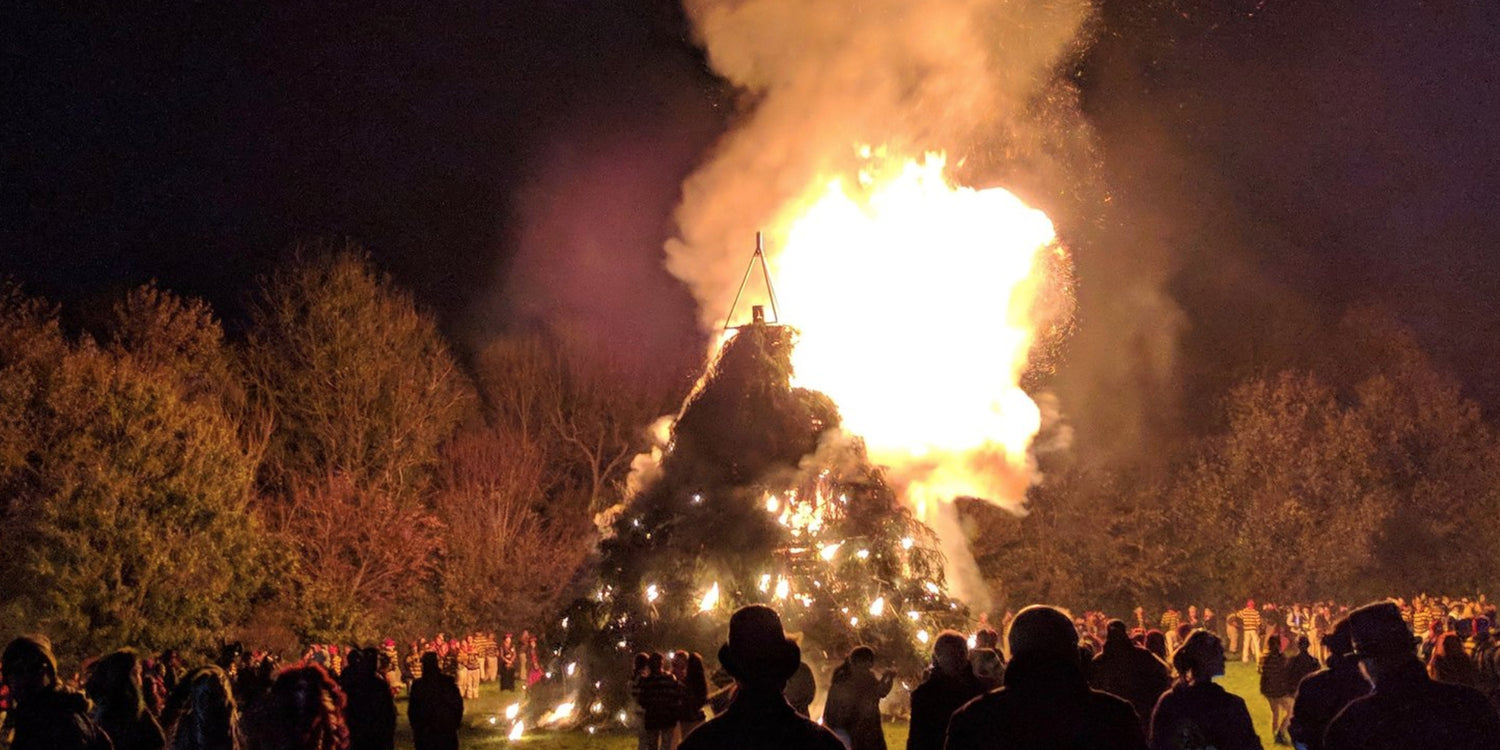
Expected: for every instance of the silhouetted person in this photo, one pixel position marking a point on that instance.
(1156, 643)
(201, 713)
(44, 715)
(1407, 710)
(435, 708)
(1274, 687)
(1045, 703)
(1197, 712)
(694, 695)
(660, 697)
(371, 710)
(988, 668)
(802, 689)
(950, 685)
(114, 685)
(1130, 672)
(1301, 665)
(304, 711)
(1323, 694)
(1450, 663)
(854, 694)
(761, 658)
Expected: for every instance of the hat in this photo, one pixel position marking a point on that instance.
(1378, 630)
(1040, 630)
(758, 649)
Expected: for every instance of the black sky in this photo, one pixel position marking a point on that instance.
(505, 160)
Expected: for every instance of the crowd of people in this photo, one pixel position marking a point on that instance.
(335, 697)
(1394, 674)
(1387, 675)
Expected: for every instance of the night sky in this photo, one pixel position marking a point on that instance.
(1274, 162)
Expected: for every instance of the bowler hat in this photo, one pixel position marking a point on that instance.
(1378, 630)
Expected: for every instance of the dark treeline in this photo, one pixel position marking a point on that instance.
(333, 473)
(1360, 471)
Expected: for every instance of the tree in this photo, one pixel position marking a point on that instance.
(588, 414)
(127, 520)
(362, 392)
(358, 381)
(512, 550)
(1287, 500)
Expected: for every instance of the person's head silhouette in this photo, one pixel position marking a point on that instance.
(758, 654)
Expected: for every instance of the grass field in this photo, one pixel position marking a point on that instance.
(1239, 679)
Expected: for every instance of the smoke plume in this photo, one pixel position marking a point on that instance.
(977, 79)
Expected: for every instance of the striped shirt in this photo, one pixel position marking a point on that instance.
(1250, 619)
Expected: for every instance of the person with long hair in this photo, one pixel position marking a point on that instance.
(1196, 712)
(1273, 685)
(854, 700)
(1450, 663)
(114, 685)
(305, 711)
(202, 713)
(695, 694)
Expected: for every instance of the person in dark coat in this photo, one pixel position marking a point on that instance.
(854, 695)
(371, 708)
(44, 715)
(1301, 665)
(660, 696)
(201, 713)
(1273, 685)
(1323, 694)
(1407, 710)
(1196, 712)
(114, 685)
(802, 689)
(1126, 670)
(761, 659)
(435, 709)
(1045, 703)
(304, 711)
(950, 685)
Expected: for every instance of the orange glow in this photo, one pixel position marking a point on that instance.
(915, 302)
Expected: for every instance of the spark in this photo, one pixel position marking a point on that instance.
(923, 636)
(907, 543)
(783, 587)
(914, 615)
(765, 582)
(572, 668)
(829, 551)
(772, 504)
(854, 622)
(512, 711)
(652, 593)
(863, 554)
(515, 731)
(973, 642)
(877, 607)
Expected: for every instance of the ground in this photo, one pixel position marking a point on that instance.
(1239, 679)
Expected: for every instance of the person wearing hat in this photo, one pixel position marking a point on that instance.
(1046, 702)
(44, 714)
(761, 658)
(950, 685)
(1407, 709)
(1323, 694)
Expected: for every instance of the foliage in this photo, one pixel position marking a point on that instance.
(359, 382)
(511, 550)
(125, 517)
(362, 391)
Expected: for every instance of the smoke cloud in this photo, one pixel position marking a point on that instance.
(975, 78)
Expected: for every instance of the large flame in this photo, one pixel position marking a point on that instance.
(915, 299)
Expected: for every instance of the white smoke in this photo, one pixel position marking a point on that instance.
(974, 78)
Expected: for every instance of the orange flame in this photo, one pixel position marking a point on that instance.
(916, 302)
